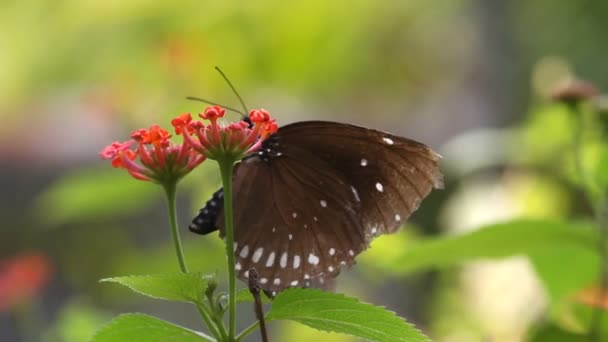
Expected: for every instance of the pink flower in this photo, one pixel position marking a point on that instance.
(234, 140)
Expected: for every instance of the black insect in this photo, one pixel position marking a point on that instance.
(314, 197)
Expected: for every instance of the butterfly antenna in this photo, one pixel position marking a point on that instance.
(238, 96)
(193, 98)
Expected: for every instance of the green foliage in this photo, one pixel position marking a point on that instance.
(493, 241)
(184, 287)
(76, 323)
(556, 334)
(565, 269)
(144, 328)
(338, 313)
(87, 195)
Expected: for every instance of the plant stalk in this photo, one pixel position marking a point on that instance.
(226, 168)
(170, 190)
(210, 324)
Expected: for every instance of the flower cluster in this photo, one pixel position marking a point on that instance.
(232, 141)
(22, 277)
(150, 155)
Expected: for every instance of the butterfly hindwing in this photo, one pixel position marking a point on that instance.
(298, 229)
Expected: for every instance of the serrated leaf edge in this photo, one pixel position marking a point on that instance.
(116, 281)
(352, 300)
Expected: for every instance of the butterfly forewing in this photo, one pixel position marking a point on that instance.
(315, 196)
(389, 174)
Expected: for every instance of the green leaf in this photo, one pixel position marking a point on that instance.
(494, 241)
(184, 287)
(566, 269)
(144, 328)
(337, 313)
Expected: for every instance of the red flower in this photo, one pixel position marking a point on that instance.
(160, 160)
(234, 140)
(22, 278)
(213, 113)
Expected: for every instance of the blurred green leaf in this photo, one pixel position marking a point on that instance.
(553, 333)
(565, 269)
(144, 328)
(601, 170)
(76, 322)
(337, 313)
(185, 287)
(493, 241)
(201, 254)
(87, 195)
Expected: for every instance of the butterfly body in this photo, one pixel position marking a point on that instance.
(315, 195)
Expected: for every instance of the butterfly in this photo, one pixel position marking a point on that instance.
(314, 197)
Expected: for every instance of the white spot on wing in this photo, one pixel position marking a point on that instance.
(355, 193)
(234, 246)
(330, 268)
(306, 276)
(294, 214)
(296, 261)
(290, 236)
(246, 274)
(313, 259)
(284, 260)
(237, 266)
(332, 251)
(363, 162)
(270, 260)
(294, 283)
(397, 217)
(351, 252)
(323, 203)
(388, 140)
(263, 281)
(244, 252)
(277, 281)
(374, 230)
(379, 187)
(257, 254)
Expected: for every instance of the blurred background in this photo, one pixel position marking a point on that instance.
(470, 78)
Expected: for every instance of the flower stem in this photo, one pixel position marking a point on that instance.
(210, 324)
(248, 330)
(226, 167)
(170, 190)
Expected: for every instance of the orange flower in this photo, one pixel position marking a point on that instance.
(155, 157)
